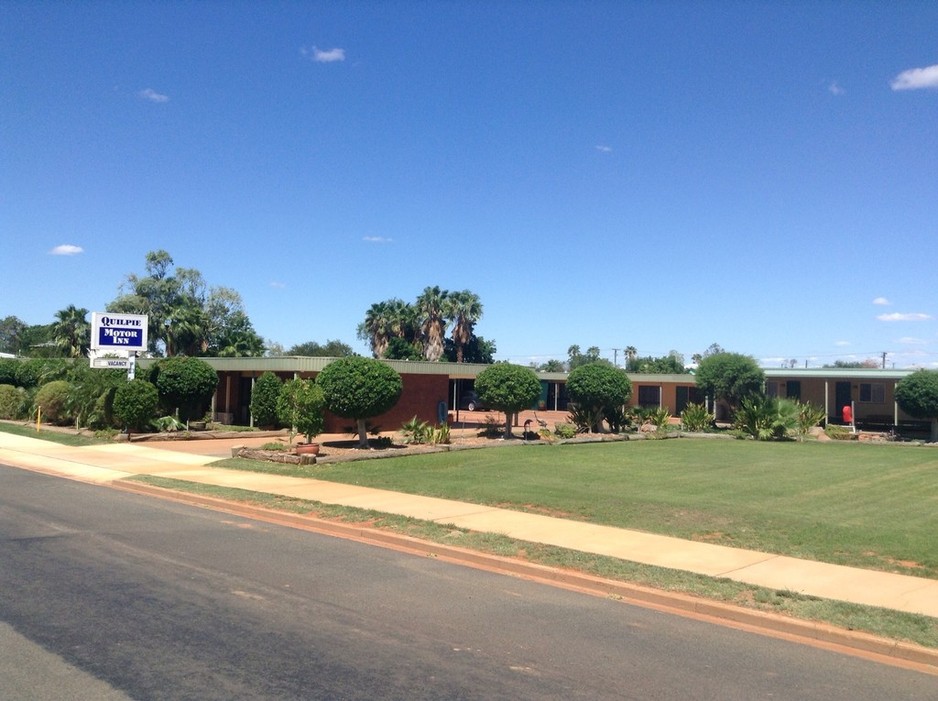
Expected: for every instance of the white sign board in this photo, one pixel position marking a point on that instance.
(111, 363)
(118, 332)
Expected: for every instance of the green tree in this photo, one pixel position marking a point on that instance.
(575, 358)
(477, 350)
(236, 338)
(402, 320)
(598, 389)
(264, 396)
(917, 395)
(12, 332)
(508, 388)
(359, 388)
(37, 341)
(135, 403)
(402, 349)
(671, 364)
(186, 316)
(376, 328)
(300, 406)
(185, 385)
(631, 352)
(71, 331)
(330, 349)
(730, 377)
(553, 365)
(465, 309)
(431, 312)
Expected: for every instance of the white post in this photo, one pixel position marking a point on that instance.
(250, 413)
(827, 410)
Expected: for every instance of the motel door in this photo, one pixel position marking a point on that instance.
(842, 397)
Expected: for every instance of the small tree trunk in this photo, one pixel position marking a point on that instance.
(362, 434)
(508, 416)
(934, 430)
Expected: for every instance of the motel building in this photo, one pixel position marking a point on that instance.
(434, 392)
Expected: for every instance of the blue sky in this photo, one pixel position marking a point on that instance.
(664, 175)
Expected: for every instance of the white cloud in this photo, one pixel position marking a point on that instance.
(67, 249)
(842, 344)
(835, 89)
(275, 283)
(151, 95)
(377, 239)
(896, 316)
(603, 149)
(881, 302)
(324, 56)
(912, 341)
(916, 79)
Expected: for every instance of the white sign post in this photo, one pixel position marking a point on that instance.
(123, 335)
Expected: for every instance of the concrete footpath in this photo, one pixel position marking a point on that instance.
(113, 462)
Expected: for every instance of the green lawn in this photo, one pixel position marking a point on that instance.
(873, 506)
(48, 434)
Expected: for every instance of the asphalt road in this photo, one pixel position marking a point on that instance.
(108, 595)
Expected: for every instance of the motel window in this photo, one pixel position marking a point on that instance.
(793, 389)
(872, 393)
(649, 396)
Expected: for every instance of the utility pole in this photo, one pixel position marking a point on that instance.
(884, 359)
(615, 357)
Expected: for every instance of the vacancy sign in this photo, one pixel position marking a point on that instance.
(118, 332)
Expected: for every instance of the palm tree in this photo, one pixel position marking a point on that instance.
(376, 328)
(71, 331)
(631, 352)
(465, 309)
(186, 329)
(402, 319)
(431, 305)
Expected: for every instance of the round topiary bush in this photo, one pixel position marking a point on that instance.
(359, 388)
(185, 384)
(508, 388)
(598, 389)
(135, 403)
(52, 399)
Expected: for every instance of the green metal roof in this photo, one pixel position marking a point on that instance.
(471, 370)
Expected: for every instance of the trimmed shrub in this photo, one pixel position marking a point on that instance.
(11, 402)
(917, 395)
(598, 390)
(135, 403)
(185, 384)
(359, 388)
(509, 389)
(29, 372)
(8, 371)
(52, 398)
(264, 396)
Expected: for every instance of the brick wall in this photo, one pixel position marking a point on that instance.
(420, 397)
